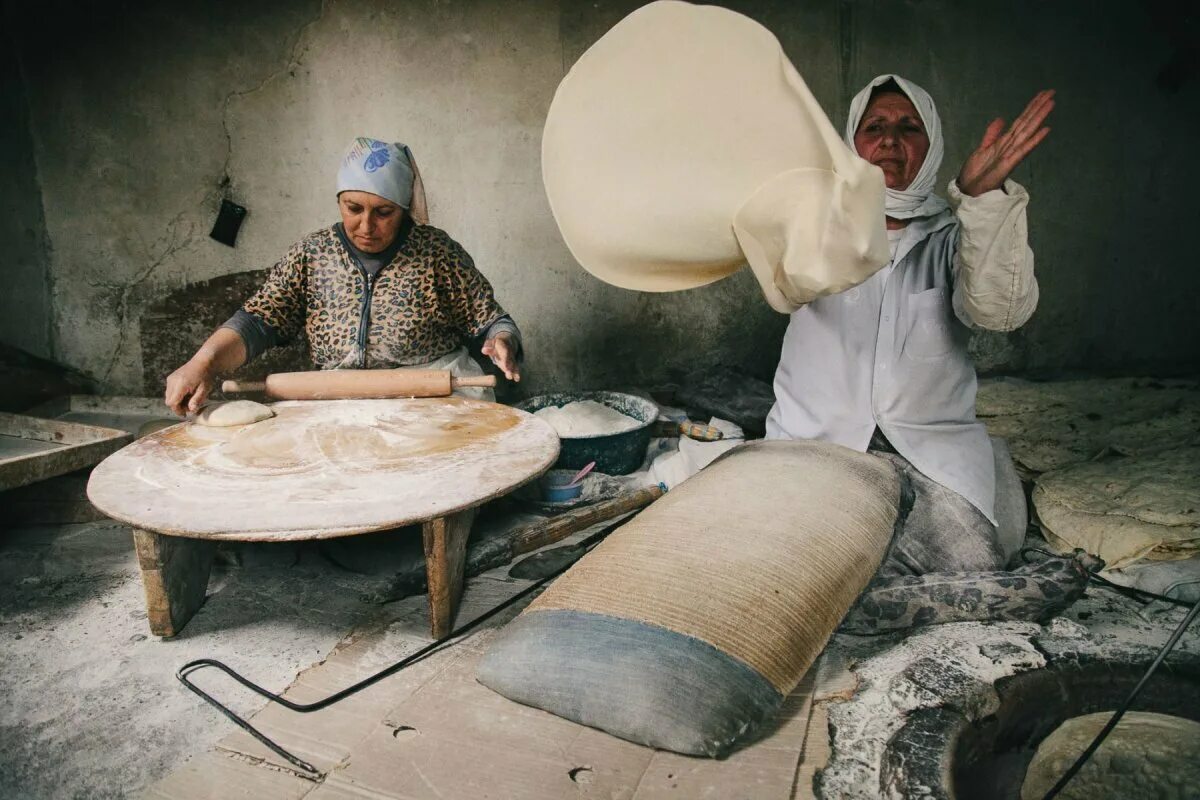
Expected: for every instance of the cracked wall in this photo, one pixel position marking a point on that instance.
(144, 116)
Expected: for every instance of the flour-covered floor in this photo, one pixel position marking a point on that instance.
(93, 708)
(91, 705)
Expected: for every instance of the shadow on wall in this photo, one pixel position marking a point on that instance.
(26, 380)
(174, 327)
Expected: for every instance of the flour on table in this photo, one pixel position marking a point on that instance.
(236, 412)
(586, 418)
(330, 468)
(1147, 756)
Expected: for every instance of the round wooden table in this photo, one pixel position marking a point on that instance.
(318, 469)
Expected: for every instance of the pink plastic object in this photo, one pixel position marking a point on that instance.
(580, 475)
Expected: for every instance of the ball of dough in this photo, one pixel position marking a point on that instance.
(236, 412)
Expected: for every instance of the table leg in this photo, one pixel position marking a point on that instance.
(175, 577)
(445, 551)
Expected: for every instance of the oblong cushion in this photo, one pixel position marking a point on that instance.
(648, 684)
(706, 610)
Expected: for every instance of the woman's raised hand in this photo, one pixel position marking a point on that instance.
(1001, 151)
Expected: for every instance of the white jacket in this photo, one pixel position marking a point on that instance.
(892, 352)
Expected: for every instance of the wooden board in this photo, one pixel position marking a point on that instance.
(445, 548)
(322, 469)
(33, 449)
(174, 577)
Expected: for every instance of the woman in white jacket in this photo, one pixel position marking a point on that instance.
(883, 367)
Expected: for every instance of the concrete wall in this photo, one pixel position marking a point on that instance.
(146, 115)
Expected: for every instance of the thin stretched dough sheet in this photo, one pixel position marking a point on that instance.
(683, 144)
(1125, 509)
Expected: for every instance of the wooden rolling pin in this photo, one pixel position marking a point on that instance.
(346, 384)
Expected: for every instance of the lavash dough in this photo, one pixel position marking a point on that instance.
(1050, 425)
(1146, 757)
(664, 172)
(586, 418)
(1125, 508)
(235, 412)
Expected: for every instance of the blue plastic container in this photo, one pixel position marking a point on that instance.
(555, 489)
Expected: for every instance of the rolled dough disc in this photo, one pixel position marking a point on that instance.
(1146, 756)
(235, 412)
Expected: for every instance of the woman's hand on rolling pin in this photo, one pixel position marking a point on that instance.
(1001, 151)
(188, 386)
(503, 352)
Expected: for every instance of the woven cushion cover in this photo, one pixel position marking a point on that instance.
(689, 625)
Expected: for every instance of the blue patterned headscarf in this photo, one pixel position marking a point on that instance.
(383, 168)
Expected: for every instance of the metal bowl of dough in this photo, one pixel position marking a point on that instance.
(614, 453)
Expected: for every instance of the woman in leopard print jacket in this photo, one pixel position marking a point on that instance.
(380, 289)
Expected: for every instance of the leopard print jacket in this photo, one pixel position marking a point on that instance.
(428, 301)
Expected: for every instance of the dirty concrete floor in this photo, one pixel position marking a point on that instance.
(92, 708)
(91, 705)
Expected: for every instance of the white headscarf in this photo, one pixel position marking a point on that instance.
(918, 200)
(387, 169)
